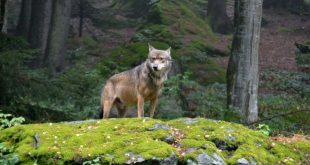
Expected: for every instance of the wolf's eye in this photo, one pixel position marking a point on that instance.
(153, 59)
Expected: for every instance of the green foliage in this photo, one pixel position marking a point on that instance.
(13, 60)
(7, 155)
(89, 43)
(11, 43)
(272, 105)
(158, 33)
(193, 100)
(124, 58)
(284, 30)
(74, 94)
(95, 161)
(286, 81)
(204, 68)
(303, 55)
(7, 120)
(81, 49)
(264, 129)
(185, 16)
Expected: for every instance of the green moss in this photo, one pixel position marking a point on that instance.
(115, 139)
(187, 17)
(283, 30)
(159, 33)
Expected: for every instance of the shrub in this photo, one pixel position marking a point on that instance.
(7, 120)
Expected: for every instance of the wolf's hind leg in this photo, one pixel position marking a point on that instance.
(108, 98)
(107, 105)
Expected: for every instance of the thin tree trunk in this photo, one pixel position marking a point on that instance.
(25, 18)
(217, 15)
(41, 11)
(81, 14)
(2, 10)
(242, 72)
(58, 34)
(11, 16)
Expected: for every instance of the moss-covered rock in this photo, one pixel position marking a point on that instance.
(147, 141)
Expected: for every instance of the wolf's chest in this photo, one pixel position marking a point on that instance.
(150, 92)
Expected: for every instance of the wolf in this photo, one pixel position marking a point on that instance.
(138, 85)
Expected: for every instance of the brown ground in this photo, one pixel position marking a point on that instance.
(284, 139)
(277, 49)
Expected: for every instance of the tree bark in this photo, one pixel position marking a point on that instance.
(11, 16)
(242, 72)
(58, 34)
(2, 10)
(81, 15)
(41, 11)
(25, 18)
(217, 15)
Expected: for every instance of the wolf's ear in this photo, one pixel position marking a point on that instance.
(168, 50)
(150, 47)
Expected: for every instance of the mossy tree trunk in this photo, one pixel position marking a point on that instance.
(11, 16)
(217, 15)
(242, 72)
(58, 34)
(41, 12)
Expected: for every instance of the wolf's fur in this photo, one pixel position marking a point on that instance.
(135, 86)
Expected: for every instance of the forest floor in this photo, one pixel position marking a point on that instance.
(283, 29)
(277, 49)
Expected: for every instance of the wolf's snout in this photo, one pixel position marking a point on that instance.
(155, 68)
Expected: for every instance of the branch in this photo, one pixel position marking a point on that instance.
(279, 115)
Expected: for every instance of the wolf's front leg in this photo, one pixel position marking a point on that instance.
(140, 106)
(153, 107)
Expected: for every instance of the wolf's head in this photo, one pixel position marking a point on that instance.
(159, 60)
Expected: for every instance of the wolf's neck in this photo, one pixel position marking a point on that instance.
(156, 79)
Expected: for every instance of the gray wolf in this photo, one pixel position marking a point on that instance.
(138, 85)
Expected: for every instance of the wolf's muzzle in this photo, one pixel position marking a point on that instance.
(155, 68)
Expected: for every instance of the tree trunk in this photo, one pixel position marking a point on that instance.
(25, 18)
(41, 11)
(58, 34)
(242, 72)
(2, 10)
(81, 15)
(217, 15)
(11, 16)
